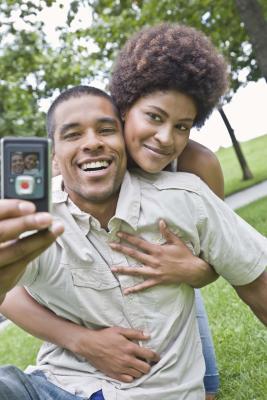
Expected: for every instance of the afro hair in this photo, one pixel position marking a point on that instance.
(169, 57)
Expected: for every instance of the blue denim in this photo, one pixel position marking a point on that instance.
(211, 379)
(16, 385)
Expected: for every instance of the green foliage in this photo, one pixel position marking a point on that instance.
(255, 152)
(32, 69)
(115, 21)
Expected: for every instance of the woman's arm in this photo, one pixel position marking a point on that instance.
(199, 160)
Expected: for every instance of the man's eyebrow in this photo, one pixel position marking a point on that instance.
(107, 120)
(67, 127)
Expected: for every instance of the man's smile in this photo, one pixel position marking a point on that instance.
(94, 165)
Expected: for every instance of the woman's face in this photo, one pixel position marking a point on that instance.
(157, 128)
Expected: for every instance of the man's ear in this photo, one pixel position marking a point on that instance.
(55, 165)
(123, 115)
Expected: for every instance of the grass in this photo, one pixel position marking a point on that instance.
(255, 152)
(239, 338)
(17, 347)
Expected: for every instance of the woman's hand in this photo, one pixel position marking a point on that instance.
(169, 263)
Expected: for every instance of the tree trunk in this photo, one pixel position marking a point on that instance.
(242, 161)
(252, 16)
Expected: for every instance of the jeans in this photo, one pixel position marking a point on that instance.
(16, 385)
(211, 379)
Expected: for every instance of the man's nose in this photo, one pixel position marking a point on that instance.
(91, 141)
(164, 135)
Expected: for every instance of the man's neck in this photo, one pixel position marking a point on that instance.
(103, 212)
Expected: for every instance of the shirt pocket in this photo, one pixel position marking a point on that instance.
(98, 296)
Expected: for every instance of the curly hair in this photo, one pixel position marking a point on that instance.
(169, 57)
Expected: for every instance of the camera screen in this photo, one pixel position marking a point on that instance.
(24, 163)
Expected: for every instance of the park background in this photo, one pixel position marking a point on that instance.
(47, 46)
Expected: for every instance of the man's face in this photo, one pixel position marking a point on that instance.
(89, 149)
(17, 163)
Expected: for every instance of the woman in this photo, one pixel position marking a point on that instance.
(167, 79)
(161, 94)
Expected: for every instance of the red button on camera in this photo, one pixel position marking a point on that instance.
(24, 185)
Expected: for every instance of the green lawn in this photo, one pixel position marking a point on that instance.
(240, 339)
(255, 152)
(17, 347)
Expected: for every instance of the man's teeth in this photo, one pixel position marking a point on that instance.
(95, 165)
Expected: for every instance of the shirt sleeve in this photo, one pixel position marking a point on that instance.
(235, 249)
(40, 267)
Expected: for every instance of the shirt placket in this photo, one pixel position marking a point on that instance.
(133, 309)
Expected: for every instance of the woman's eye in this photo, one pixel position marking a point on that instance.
(154, 117)
(183, 128)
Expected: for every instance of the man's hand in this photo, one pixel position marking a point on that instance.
(255, 296)
(169, 263)
(17, 217)
(114, 352)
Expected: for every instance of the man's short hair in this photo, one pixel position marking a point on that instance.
(74, 92)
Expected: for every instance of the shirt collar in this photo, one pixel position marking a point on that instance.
(128, 206)
(61, 196)
(129, 202)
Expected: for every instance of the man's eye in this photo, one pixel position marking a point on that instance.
(107, 131)
(71, 135)
(154, 117)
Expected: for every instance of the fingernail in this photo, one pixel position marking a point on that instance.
(56, 228)
(26, 207)
(119, 234)
(147, 335)
(43, 219)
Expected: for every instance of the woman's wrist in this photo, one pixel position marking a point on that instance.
(202, 273)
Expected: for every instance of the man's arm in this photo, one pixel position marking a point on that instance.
(17, 217)
(114, 351)
(255, 296)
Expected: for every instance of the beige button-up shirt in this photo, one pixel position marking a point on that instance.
(73, 278)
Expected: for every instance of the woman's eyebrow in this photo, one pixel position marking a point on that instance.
(160, 110)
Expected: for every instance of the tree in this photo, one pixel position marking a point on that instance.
(114, 21)
(31, 68)
(251, 14)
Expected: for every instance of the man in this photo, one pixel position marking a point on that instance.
(17, 217)
(73, 278)
(17, 163)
